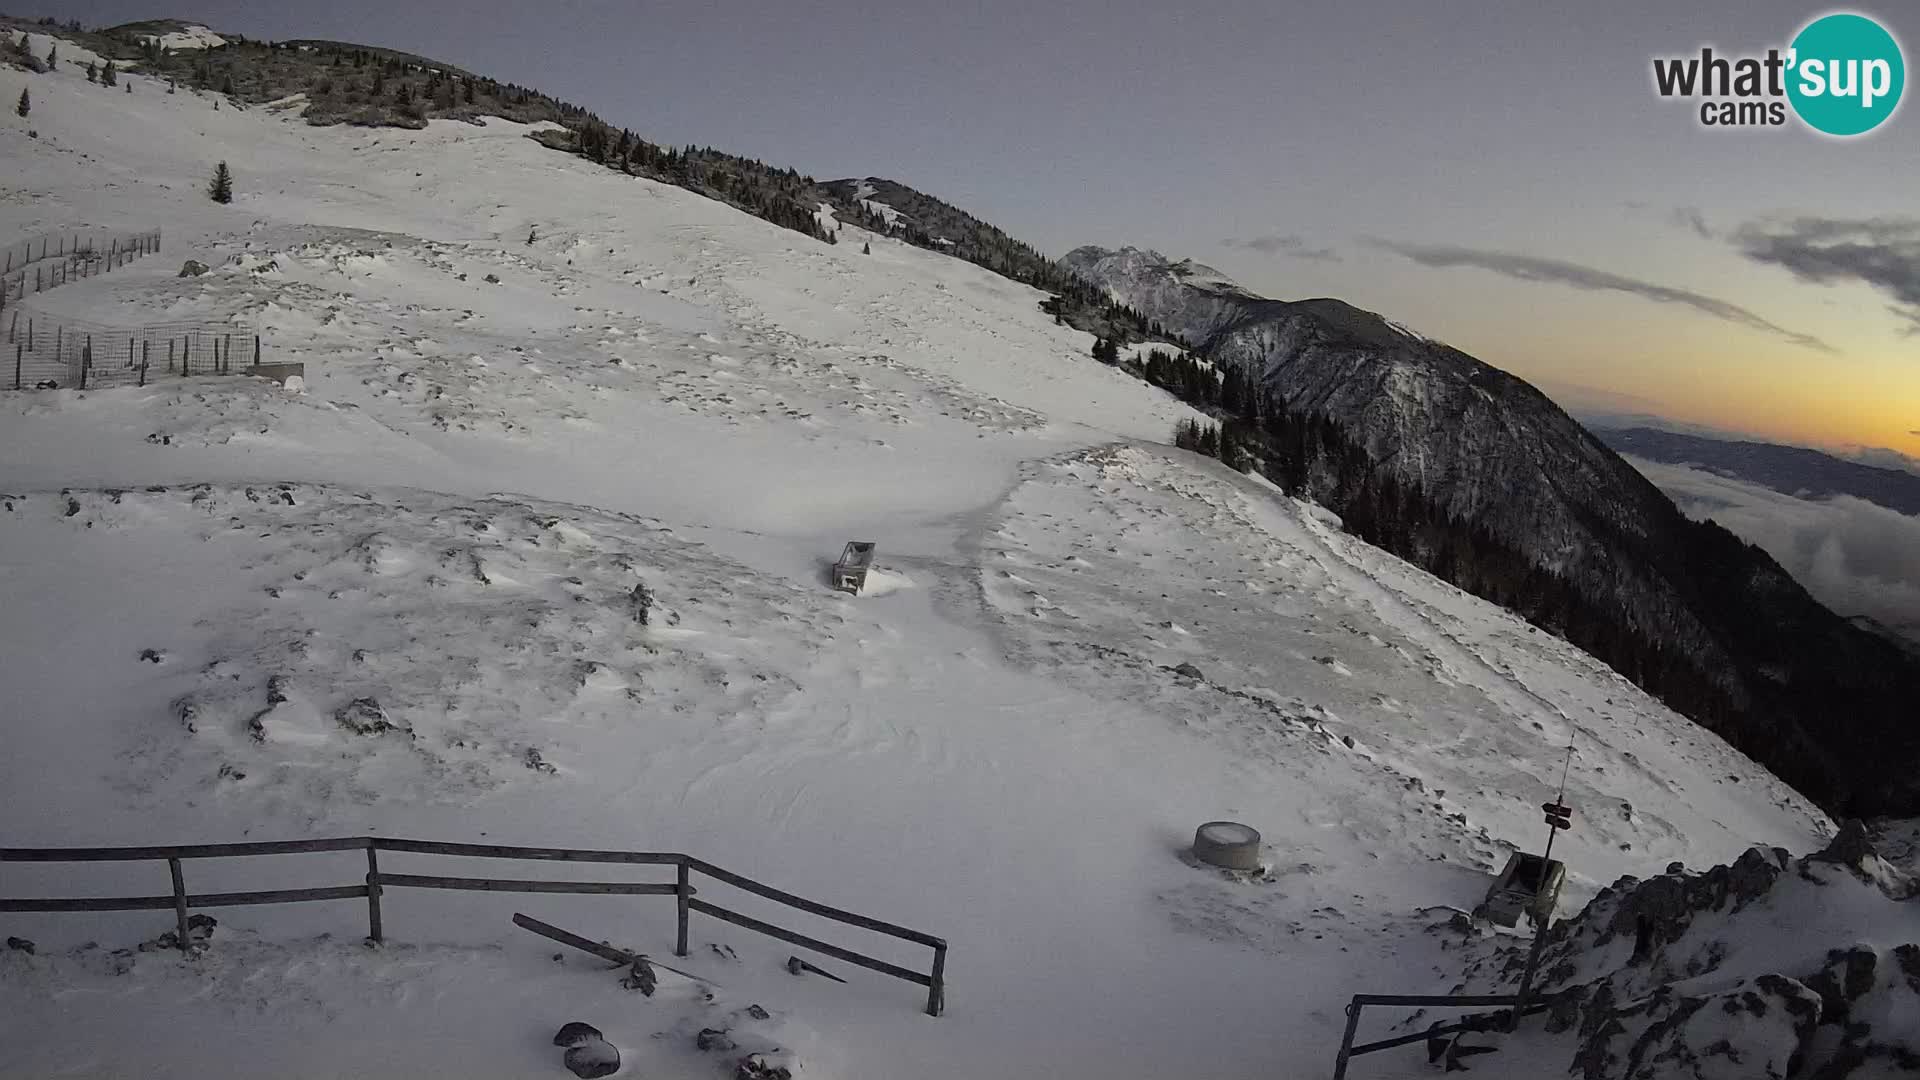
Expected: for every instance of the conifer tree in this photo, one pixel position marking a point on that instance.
(226, 85)
(93, 73)
(866, 249)
(53, 56)
(221, 189)
(108, 75)
(26, 104)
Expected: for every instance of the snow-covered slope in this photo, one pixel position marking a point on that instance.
(1697, 616)
(403, 601)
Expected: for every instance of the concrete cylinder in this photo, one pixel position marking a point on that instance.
(1227, 844)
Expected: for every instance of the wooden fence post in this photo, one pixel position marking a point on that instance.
(169, 354)
(179, 901)
(86, 361)
(682, 891)
(256, 350)
(374, 929)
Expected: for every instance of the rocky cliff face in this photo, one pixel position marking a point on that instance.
(1777, 675)
(1769, 967)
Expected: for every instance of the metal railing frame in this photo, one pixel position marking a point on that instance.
(1349, 1051)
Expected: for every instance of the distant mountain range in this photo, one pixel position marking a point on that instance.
(1474, 474)
(1790, 470)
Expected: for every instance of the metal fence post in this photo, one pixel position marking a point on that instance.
(375, 931)
(179, 901)
(682, 891)
(1346, 1041)
(937, 989)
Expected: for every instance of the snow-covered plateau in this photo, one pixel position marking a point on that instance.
(400, 599)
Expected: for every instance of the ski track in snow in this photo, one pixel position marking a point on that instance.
(401, 601)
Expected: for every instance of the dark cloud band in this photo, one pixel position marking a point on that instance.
(1554, 271)
(1883, 253)
(1283, 244)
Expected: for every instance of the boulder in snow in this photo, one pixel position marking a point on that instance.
(364, 716)
(193, 268)
(759, 1067)
(574, 1032)
(591, 1058)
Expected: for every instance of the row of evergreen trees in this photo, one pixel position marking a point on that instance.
(784, 197)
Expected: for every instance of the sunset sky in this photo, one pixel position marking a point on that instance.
(1499, 175)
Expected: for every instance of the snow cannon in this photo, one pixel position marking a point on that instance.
(1228, 845)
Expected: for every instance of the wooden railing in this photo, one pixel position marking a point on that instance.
(377, 881)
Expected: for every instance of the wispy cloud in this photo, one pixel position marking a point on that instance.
(1881, 252)
(1558, 272)
(1283, 244)
(1690, 217)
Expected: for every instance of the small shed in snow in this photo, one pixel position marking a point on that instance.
(850, 573)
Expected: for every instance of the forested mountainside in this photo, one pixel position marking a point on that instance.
(1478, 477)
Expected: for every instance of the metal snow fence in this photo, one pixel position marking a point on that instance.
(52, 352)
(50, 261)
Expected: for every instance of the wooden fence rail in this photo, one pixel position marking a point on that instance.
(377, 881)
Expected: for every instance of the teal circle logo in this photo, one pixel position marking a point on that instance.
(1846, 74)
